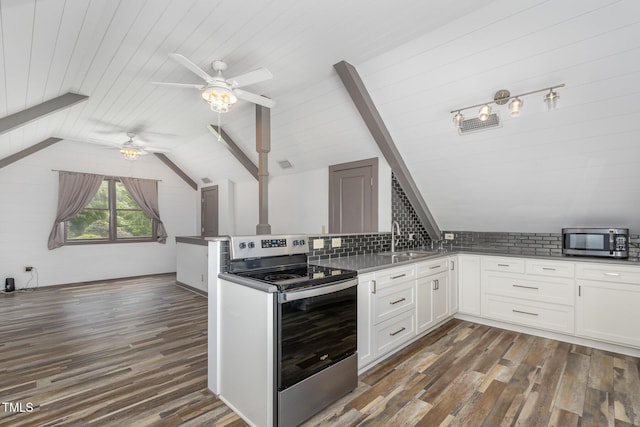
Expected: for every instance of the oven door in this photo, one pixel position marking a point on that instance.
(316, 328)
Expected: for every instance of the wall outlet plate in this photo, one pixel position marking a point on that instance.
(318, 244)
(449, 236)
(336, 242)
(412, 236)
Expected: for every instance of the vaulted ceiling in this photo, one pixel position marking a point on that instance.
(419, 60)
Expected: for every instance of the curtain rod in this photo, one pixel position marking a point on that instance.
(106, 176)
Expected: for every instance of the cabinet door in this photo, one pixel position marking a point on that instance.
(365, 319)
(469, 284)
(609, 311)
(424, 310)
(440, 297)
(453, 285)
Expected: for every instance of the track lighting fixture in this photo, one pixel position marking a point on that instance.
(504, 96)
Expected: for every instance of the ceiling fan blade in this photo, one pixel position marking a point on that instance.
(191, 66)
(252, 77)
(256, 99)
(182, 85)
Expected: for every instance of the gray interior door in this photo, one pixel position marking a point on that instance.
(353, 201)
(209, 216)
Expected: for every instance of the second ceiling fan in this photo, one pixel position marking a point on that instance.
(219, 91)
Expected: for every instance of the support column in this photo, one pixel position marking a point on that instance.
(263, 146)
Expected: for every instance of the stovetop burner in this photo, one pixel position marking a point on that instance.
(278, 277)
(298, 276)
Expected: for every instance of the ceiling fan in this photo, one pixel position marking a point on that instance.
(131, 150)
(219, 91)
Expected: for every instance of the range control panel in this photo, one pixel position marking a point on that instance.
(268, 245)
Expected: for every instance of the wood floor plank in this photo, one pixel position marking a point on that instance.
(626, 385)
(573, 386)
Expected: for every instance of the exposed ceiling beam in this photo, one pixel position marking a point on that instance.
(28, 151)
(233, 148)
(363, 102)
(176, 169)
(23, 117)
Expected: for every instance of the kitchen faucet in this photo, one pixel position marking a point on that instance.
(395, 231)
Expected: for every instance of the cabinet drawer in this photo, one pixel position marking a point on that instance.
(608, 273)
(555, 290)
(393, 300)
(511, 265)
(389, 276)
(535, 314)
(394, 332)
(432, 267)
(550, 268)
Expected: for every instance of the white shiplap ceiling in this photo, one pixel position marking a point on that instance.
(542, 171)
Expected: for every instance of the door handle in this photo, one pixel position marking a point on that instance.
(373, 290)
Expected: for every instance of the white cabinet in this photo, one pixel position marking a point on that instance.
(192, 265)
(529, 292)
(453, 285)
(469, 291)
(386, 311)
(608, 303)
(432, 303)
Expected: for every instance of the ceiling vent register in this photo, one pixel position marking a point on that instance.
(476, 125)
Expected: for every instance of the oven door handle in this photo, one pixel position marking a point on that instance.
(317, 291)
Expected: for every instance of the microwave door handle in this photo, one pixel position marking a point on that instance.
(611, 240)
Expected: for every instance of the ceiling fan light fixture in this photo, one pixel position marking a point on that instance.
(220, 99)
(130, 153)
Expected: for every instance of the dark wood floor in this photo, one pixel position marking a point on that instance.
(133, 353)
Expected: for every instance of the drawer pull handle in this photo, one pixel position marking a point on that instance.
(549, 268)
(397, 332)
(398, 276)
(435, 266)
(503, 265)
(526, 287)
(396, 302)
(525, 312)
(612, 274)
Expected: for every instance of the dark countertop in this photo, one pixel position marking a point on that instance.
(377, 261)
(197, 240)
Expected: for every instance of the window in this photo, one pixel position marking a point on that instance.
(111, 216)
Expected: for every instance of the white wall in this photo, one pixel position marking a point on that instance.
(29, 191)
(298, 203)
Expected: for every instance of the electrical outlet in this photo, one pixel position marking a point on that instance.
(412, 236)
(336, 242)
(28, 268)
(449, 236)
(318, 244)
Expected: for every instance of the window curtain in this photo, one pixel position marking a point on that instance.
(145, 194)
(75, 191)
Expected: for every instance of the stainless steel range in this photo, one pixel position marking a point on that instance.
(314, 325)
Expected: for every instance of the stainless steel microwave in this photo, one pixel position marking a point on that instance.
(603, 242)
